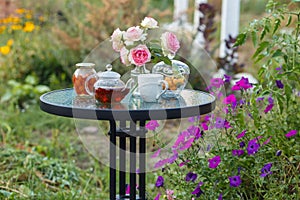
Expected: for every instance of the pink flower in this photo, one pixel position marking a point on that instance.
(214, 162)
(157, 196)
(170, 194)
(139, 55)
(149, 22)
(216, 82)
(242, 134)
(170, 44)
(268, 108)
(267, 141)
(134, 34)
(156, 153)
(243, 83)
(230, 99)
(291, 133)
(152, 125)
(116, 39)
(124, 56)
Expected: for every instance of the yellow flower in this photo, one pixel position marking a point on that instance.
(9, 42)
(20, 10)
(28, 16)
(2, 28)
(16, 27)
(29, 27)
(5, 50)
(16, 20)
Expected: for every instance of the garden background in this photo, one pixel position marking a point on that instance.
(41, 156)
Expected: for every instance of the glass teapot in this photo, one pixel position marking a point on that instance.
(108, 88)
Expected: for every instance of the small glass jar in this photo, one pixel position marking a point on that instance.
(80, 75)
(176, 75)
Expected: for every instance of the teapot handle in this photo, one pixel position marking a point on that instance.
(86, 86)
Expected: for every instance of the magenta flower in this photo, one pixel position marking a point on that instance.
(235, 181)
(152, 125)
(252, 147)
(216, 82)
(157, 196)
(173, 158)
(198, 190)
(220, 197)
(258, 99)
(242, 134)
(156, 153)
(237, 152)
(187, 144)
(279, 84)
(268, 108)
(214, 162)
(204, 126)
(267, 141)
(161, 163)
(242, 84)
(183, 163)
(291, 133)
(160, 181)
(266, 170)
(230, 99)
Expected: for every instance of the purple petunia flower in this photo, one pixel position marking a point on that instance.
(190, 177)
(214, 162)
(227, 78)
(160, 181)
(252, 147)
(266, 170)
(220, 197)
(291, 133)
(242, 144)
(278, 153)
(279, 84)
(243, 83)
(219, 122)
(156, 153)
(258, 99)
(270, 100)
(235, 181)
(242, 134)
(216, 82)
(152, 125)
(198, 190)
(194, 131)
(173, 158)
(237, 152)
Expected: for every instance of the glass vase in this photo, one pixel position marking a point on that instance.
(134, 76)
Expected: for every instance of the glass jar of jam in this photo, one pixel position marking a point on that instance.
(80, 75)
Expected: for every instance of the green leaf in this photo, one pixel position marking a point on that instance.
(5, 193)
(276, 25)
(261, 47)
(254, 38)
(289, 21)
(30, 80)
(241, 39)
(277, 53)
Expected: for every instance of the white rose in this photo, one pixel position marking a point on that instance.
(133, 34)
(116, 39)
(149, 22)
(124, 56)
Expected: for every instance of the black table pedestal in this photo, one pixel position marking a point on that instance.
(136, 137)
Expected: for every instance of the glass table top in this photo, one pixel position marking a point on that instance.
(65, 103)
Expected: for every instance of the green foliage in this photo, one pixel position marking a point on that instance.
(22, 94)
(266, 116)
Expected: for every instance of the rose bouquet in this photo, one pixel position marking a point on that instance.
(134, 48)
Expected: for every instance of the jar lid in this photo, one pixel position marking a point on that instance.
(109, 74)
(90, 65)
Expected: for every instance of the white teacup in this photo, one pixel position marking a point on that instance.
(150, 86)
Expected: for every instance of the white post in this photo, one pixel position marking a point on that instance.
(197, 13)
(230, 22)
(180, 9)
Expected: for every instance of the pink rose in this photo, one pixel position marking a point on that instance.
(169, 44)
(124, 56)
(149, 22)
(116, 39)
(133, 34)
(139, 55)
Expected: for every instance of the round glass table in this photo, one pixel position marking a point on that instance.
(131, 114)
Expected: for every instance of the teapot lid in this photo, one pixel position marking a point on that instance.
(108, 74)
